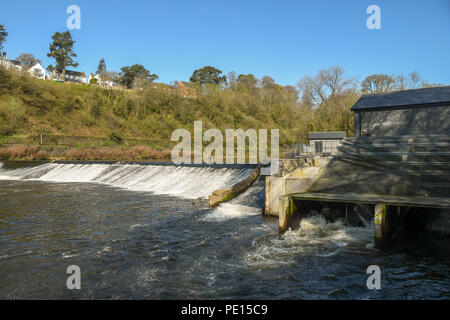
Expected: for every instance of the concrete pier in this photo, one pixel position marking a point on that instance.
(289, 214)
(297, 175)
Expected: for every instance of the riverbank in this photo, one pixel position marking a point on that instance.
(40, 112)
(31, 152)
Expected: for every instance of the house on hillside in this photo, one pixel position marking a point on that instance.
(101, 81)
(70, 76)
(75, 76)
(326, 143)
(9, 64)
(37, 71)
(423, 111)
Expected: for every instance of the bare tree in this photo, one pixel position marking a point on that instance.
(414, 79)
(333, 79)
(325, 85)
(378, 83)
(401, 83)
(312, 89)
(410, 82)
(267, 81)
(111, 76)
(232, 79)
(27, 60)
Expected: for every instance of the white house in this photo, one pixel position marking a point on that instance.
(9, 64)
(70, 76)
(101, 81)
(37, 71)
(75, 76)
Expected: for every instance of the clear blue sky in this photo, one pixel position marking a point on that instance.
(283, 39)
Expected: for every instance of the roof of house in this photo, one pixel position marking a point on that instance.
(98, 76)
(75, 73)
(15, 62)
(37, 64)
(327, 135)
(424, 96)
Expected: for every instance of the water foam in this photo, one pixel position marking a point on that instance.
(184, 181)
(316, 236)
(227, 211)
(247, 204)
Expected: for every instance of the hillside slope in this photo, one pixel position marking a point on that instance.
(30, 107)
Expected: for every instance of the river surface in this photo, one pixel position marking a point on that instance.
(140, 232)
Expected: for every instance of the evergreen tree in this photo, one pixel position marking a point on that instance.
(207, 75)
(61, 49)
(3, 35)
(101, 66)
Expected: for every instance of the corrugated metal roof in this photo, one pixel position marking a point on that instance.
(422, 96)
(327, 135)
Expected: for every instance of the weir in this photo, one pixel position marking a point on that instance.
(184, 181)
(402, 180)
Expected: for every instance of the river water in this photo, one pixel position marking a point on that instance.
(140, 232)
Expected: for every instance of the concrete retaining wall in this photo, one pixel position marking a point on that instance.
(274, 189)
(219, 196)
(298, 180)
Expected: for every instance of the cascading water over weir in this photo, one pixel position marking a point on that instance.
(183, 181)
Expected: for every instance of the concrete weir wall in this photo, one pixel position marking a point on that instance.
(298, 180)
(219, 196)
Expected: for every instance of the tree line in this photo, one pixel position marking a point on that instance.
(319, 102)
(313, 89)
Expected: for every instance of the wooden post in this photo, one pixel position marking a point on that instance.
(380, 220)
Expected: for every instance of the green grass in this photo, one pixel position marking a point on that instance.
(29, 107)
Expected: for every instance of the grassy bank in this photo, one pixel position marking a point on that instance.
(23, 152)
(136, 153)
(89, 123)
